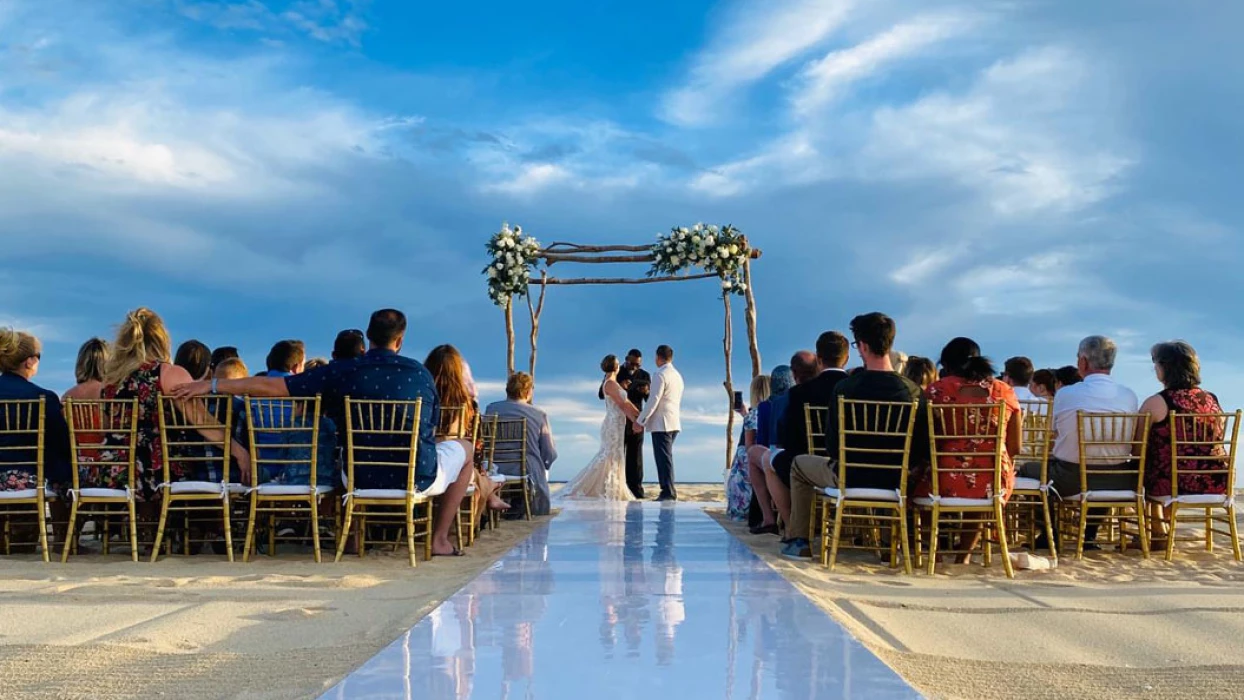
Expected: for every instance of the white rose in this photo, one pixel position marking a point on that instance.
(742, 286)
(500, 266)
(734, 250)
(695, 239)
(725, 284)
(674, 261)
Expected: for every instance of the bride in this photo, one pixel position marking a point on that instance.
(604, 478)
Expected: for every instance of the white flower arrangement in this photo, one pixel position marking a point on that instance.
(513, 255)
(716, 249)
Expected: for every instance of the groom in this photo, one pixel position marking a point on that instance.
(661, 418)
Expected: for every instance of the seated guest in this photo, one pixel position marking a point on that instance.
(898, 360)
(195, 358)
(804, 367)
(286, 359)
(738, 484)
(1044, 384)
(1098, 393)
(381, 374)
(1066, 376)
(1017, 372)
(348, 345)
(832, 351)
(449, 373)
(20, 357)
(221, 354)
(314, 363)
(231, 368)
(139, 368)
(920, 370)
(541, 450)
(877, 381)
(968, 378)
(89, 370)
(780, 382)
(1179, 371)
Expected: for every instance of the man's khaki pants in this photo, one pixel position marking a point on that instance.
(809, 475)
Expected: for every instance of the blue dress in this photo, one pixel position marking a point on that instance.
(738, 482)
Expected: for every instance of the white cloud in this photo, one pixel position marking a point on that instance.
(757, 37)
(329, 21)
(823, 80)
(530, 179)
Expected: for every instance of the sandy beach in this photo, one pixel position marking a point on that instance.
(200, 627)
(1107, 627)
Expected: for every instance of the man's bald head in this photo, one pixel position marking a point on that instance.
(803, 365)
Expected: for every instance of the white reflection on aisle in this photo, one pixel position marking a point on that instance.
(637, 600)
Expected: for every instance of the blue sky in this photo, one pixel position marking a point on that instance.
(1025, 173)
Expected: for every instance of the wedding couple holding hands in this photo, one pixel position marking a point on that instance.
(616, 473)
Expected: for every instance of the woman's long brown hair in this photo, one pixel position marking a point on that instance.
(449, 374)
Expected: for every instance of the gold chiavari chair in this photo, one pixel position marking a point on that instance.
(1204, 444)
(968, 440)
(454, 425)
(22, 437)
(874, 436)
(505, 442)
(814, 420)
(196, 436)
(284, 435)
(103, 441)
(1123, 440)
(1031, 497)
(384, 436)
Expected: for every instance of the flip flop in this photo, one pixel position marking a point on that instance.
(456, 553)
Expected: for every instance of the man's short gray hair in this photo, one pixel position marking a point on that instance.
(1099, 351)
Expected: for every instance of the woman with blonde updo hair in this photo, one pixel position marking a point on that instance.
(141, 367)
(20, 356)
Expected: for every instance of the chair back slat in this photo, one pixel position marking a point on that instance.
(875, 435)
(196, 435)
(282, 434)
(382, 435)
(967, 439)
(1112, 444)
(1205, 444)
(505, 441)
(456, 423)
(103, 435)
(815, 419)
(22, 436)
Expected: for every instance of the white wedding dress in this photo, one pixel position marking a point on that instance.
(604, 478)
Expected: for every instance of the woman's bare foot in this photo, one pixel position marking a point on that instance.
(495, 503)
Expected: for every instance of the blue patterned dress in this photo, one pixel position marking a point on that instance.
(738, 484)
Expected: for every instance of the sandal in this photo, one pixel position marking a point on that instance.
(456, 553)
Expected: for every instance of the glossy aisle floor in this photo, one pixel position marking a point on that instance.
(638, 600)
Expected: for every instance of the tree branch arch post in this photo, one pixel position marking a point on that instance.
(720, 252)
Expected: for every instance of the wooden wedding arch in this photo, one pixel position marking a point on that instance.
(542, 259)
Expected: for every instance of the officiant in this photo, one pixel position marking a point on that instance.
(636, 381)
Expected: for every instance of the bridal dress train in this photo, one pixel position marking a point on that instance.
(604, 478)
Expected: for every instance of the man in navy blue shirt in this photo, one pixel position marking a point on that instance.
(380, 374)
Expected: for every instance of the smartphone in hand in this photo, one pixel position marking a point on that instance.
(738, 401)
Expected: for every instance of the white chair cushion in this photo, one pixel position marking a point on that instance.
(291, 490)
(1195, 499)
(864, 494)
(121, 494)
(238, 489)
(1023, 483)
(1121, 495)
(496, 478)
(506, 479)
(386, 494)
(951, 502)
(194, 487)
(25, 494)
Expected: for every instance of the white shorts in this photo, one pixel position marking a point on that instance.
(773, 453)
(450, 460)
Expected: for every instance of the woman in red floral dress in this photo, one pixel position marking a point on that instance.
(1179, 371)
(968, 378)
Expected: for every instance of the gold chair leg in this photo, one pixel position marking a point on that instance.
(165, 501)
(935, 517)
(345, 529)
(410, 534)
(1209, 532)
(427, 539)
(1143, 526)
(902, 530)
(228, 531)
(272, 534)
(315, 526)
(1235, 536)
(1080, 534)
(43, 529)
(1172, 528)
(1049, 528)
(71, 532)
(133, 508)
(249, 543)
(1001, 532)
(833, 553)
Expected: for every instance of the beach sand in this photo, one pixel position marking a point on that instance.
(1109, 626)
(200, 627)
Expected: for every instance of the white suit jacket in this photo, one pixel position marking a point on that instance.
(662, 414)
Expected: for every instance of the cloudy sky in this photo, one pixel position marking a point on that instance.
(1024, 173)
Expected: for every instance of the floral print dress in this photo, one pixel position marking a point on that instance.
(971, 484)
(144, 385)
(1158, 469)
(738, 484)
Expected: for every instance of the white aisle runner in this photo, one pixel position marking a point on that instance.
(639, 601)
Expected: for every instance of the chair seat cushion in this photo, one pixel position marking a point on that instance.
(952, 502)
(1023, 483)
(385, 494)
(506, 478)
(25, 494)
(1119, 495)
(863, 494)
(194, 487)
(1194, 499)
(291, 490)
(96, 492)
